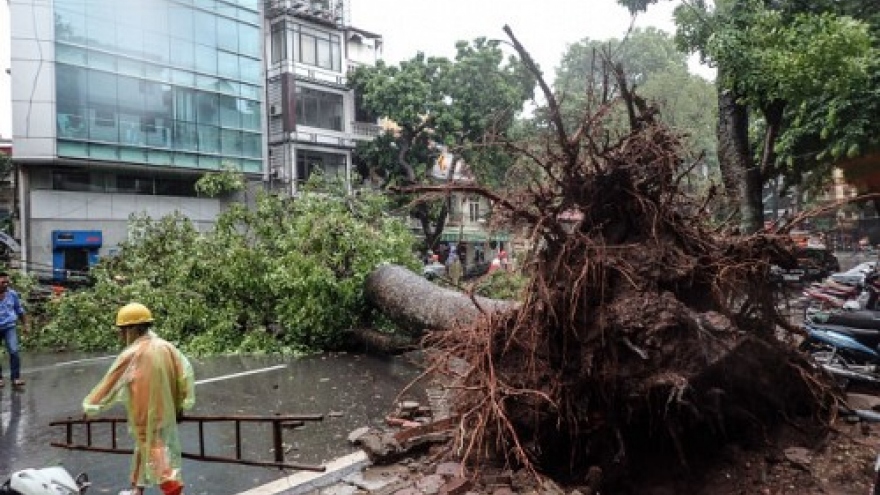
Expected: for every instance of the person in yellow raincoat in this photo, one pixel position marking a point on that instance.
(155, 382)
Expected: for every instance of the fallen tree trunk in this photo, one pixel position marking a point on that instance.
(375, 341)
(416, 304)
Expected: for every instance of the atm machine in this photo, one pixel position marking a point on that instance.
(74, 252)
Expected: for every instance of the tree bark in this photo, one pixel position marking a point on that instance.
(416, 304)
(773, 112)
(741, 176)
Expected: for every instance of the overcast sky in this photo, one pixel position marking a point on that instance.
(545, 27)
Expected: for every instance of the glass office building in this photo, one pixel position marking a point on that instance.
(118, 107)
(175, 83)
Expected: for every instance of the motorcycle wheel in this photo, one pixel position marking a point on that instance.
(827, 356)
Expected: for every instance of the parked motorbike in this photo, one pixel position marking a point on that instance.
(863, 319)
(820, 301)
(46, 481)
(849, 306)
(849, 354)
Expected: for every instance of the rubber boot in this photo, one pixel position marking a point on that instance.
(172, 487)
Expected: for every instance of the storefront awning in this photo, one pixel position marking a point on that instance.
(455, 236)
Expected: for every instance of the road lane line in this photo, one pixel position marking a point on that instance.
(243, 373)
(66, 363)
(86, 360)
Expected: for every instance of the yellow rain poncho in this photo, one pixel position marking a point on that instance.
(155, 382)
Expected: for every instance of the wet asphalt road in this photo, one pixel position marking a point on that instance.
(349, 390)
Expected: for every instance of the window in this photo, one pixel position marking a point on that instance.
(105, 118)
(134, 185)
(319, 48)
(308, 162)
(279, 42)
(70, 181)
(175, 187)
(318, 109)
(473, 210)
(227, 34)
(361, 114)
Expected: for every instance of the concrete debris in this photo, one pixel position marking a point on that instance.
(863, 401)
(799, 457)
(355, 435)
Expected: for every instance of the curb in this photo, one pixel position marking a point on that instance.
(305, 482)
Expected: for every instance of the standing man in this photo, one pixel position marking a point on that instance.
(11, 312)
(155, 382)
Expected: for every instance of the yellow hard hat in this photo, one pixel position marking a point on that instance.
(133, 314)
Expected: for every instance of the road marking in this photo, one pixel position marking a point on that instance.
(87, 360)
(243, 373)
(66, 363)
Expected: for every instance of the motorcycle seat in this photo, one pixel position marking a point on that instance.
(855, 319)
(851, 331)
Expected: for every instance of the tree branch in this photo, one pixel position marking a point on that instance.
(571, 151)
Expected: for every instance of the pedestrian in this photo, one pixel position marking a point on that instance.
(505, 263)
(155, 382)
(453, 267)
(11, 312)
(495, 264)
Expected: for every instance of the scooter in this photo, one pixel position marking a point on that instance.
(860, 312)
(46, 481)
(848, 354)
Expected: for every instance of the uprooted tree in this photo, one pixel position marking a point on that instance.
(644, 335)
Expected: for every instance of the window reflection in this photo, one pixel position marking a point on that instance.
(170, 83)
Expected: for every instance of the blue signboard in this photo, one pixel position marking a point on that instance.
(74, 252)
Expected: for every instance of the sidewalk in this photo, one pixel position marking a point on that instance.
(353, 475)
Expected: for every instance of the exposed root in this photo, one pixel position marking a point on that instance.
(644, 331)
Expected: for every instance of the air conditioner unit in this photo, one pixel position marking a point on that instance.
(275, 110)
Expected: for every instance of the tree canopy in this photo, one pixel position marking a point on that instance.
(654, 65)
(789, 65)
(285, 275)
(435, 101)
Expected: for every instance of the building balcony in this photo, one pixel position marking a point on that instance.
(331, 12)
(365, 131)
(462, 220)
(312, 135)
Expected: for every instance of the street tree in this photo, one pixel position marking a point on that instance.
(434, 102)
(774, 59)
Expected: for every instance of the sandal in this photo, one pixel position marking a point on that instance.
(19, 383)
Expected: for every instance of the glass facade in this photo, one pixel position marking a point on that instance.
(166, 82)
(138, 182)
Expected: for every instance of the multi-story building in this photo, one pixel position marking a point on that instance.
(119, 107)
(468, 225)
(313, 120)
(7, 195)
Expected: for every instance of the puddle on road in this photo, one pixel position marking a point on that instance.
(350, 390)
